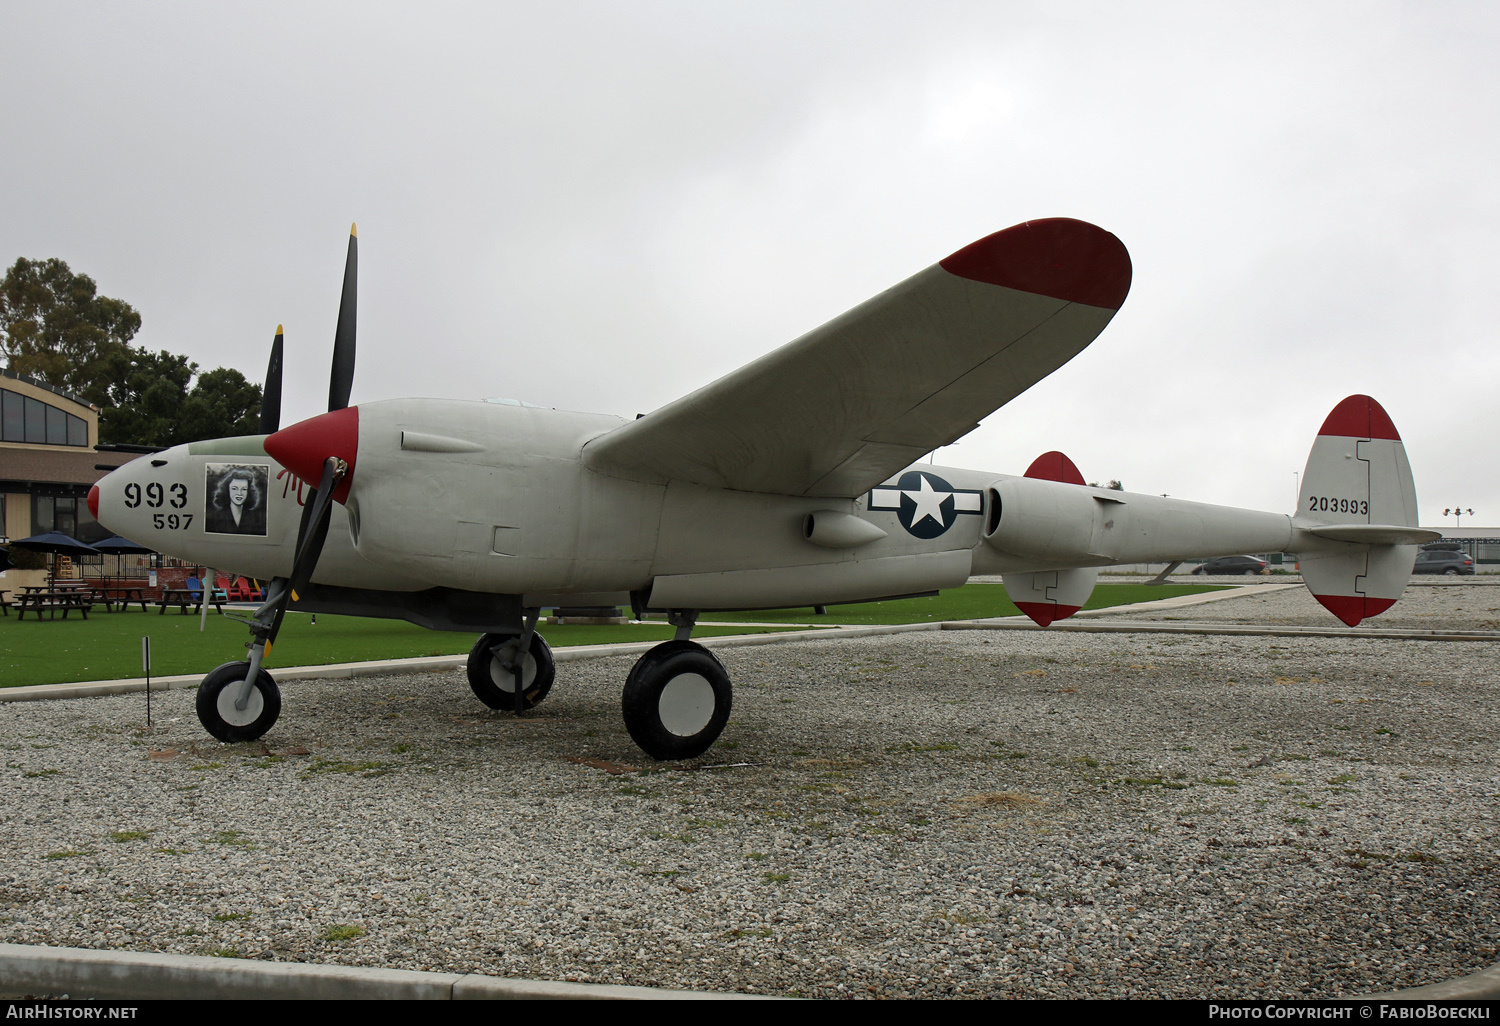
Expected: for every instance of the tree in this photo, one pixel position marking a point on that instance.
(151, 404)
(55, 326)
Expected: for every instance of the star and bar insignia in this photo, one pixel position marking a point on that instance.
(925, 504)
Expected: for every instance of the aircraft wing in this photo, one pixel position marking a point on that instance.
(845, 406)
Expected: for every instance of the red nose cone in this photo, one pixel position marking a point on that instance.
(94, 502)
(303, 447)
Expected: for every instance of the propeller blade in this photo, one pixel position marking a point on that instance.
(311, 534)
(270, 400)
(341, 378)
(314, 528)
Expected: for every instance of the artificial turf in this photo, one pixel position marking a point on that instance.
(107, 646)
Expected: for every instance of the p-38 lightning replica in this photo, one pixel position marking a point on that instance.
(789, 482)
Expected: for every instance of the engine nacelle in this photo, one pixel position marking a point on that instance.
(1048, 521)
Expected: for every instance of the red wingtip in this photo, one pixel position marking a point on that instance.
(1054, 466)
(1056, 256)
(1359, 416)
(1045, 614)
(303, 447)
(1353, 608)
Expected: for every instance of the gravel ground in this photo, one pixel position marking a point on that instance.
(965, 813)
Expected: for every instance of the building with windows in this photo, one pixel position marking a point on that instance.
(47, 460)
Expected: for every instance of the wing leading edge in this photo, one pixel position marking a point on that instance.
(845, 406)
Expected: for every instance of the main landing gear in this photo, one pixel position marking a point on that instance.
(676, 701)
(675, 704)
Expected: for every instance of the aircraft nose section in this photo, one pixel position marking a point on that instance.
(303, 447)
(94, 501)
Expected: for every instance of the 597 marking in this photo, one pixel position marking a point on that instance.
(171, 521)
(1325, 504)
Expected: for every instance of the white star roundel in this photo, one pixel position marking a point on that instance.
(925, 504)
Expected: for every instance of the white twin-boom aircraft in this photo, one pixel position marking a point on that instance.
(792, 481)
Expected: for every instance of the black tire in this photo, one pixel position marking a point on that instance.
(1251, 573)
(216, 711)
(495, 686)
(1450, 572)
(677, 700)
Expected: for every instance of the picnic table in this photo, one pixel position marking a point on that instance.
(50, 601)
(184, 597)
(124, 594)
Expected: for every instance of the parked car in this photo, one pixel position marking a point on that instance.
(1232, 565)
(1443, 561)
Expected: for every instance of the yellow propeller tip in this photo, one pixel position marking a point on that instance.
(352, 231)
(278, 330)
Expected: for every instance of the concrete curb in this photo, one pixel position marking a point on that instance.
(135, 975)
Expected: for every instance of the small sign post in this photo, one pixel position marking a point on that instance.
(146, 667)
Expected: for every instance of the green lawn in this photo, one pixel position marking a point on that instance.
(108, 645)
(971, 602)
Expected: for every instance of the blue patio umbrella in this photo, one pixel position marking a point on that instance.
(121, 546)
(58, 544)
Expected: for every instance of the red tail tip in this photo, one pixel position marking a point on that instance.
(1045, 614)
(1054, 466)
(1359, 416)
(1353, 608)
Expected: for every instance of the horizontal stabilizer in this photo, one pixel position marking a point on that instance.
(1375, 534)
(852, 403)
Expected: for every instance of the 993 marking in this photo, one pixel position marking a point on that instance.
(156, 496)
(1327, 504)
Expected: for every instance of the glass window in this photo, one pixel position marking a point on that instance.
(36, 420)
(78, 431)
(12, 417)
(57, 426)
(41, 514)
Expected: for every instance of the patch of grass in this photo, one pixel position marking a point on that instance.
(232, 837)
(121, 836)
(776, 877)
(344, 932)
(230, 917)
(70, 854)
(997, 800)
(369, 768)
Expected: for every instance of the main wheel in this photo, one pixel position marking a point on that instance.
(495, 685)
(218, 693)
(677, 700)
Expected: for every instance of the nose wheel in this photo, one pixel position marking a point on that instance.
(231, 711)
(677, 700)
(492, 677)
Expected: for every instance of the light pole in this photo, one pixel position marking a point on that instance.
(1458, 515)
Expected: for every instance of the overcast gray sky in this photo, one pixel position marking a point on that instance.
(601, 206)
